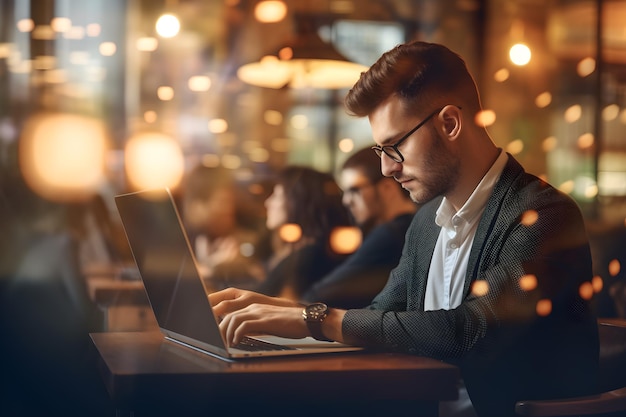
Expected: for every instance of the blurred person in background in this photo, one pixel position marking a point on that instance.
(303, 210)
(383, 212)
(224, 236)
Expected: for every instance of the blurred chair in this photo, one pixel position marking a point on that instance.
(611, 398)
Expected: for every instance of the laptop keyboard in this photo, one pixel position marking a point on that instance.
(255, 345)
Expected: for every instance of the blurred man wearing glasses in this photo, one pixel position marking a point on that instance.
(493, 262)
(383, 212)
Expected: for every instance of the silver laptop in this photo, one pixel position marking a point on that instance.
(176, 291)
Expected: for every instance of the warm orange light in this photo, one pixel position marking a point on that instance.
(165, 93)
(597, 283)
(346, 145)
(549, 143)
(515, 147)
(586, 67)
(501, 75)
(543, 100)
(585, 290)
(270, 11)
(520, 54)
(585, 141)
(614, 267)
(528, 282)
(290, 232)
(485, 118)
(153, 160)
(62, 156)
(544, 307)
(199, 83)
(345, 240)
(480, 288)
(529, 217)
(573, 113)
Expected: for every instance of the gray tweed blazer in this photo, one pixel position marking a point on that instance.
(505, 349)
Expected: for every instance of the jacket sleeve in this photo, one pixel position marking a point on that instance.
(533, 231)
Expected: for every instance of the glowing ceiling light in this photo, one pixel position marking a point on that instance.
(520, 54)
(167, 26)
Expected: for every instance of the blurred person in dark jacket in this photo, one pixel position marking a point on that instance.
(383, 212)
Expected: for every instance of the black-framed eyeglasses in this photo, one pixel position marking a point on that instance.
(392, 151)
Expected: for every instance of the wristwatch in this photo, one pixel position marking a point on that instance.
(314, 314)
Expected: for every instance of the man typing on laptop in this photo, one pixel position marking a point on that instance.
(492, 264)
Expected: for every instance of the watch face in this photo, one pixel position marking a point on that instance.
(316, 310)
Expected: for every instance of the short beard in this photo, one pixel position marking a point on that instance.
(444, 170)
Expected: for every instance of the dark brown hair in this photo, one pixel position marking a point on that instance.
(421, 74)
(313, 201)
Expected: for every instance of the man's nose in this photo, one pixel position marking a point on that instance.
(388, 166)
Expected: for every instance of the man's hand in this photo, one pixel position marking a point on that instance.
(233, 299)
(246, 312)
(263, 319)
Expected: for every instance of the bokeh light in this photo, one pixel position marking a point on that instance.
(597, 283)
(528, 282)
(529, 217)
(544, 307)
(167, 26)
(270, 11)
(610, 112)
(543, 100)
(520, 54)
(515, 147)
(62, 156)
(218, 126)
(501, 75)
(199, 83)
(290, 232)
(153, 160)
(480, 287)
(549, 143)
(273, 117)
(346, 145)
(586, 67)
(585, 290)
(573, 113)
(147, 44)
(165, 93)
(485, 118)
(345, 240)
(585, 141)
(614, 267)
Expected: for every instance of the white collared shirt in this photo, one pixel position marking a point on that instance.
(446, 277)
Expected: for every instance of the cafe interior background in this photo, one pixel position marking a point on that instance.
(101, 97)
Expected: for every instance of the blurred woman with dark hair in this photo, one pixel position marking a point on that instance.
(302, 211)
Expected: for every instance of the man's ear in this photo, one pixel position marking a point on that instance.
(452, 121)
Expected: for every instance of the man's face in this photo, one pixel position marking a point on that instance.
(360, 196)
(431, 165)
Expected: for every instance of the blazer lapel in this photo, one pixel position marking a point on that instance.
(487, 230)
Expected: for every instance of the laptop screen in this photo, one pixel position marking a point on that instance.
(167, 266)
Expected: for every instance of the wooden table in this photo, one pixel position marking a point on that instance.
(147, 375)
(122, 299)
